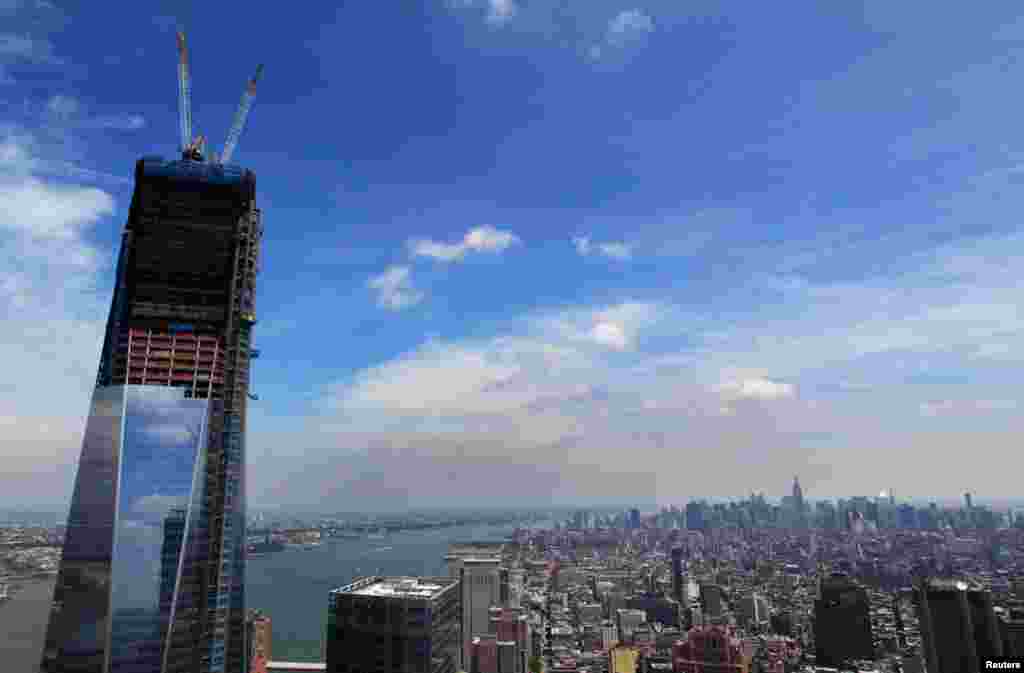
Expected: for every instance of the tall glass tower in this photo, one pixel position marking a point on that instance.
(152, 575)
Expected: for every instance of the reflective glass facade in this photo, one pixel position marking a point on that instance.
(136, 532)
(153, 573)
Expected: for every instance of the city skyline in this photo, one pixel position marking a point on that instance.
(626, 251)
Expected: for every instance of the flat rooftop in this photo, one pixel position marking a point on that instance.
(398, 587)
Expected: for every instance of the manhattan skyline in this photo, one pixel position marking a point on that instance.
(539, 253)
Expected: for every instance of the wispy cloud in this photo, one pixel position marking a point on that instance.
(21, 156)
(628, 27)
(62, 107)
(955, 408)
(615, 250)
(394, 288)
(67, 111)
(755, 389)
(484, 239)
(26, 48)
(498, 12)
(501, 11)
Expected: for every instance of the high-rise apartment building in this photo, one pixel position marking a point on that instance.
(842, 622)
(152, 573)
(395, 624)
(959, 627)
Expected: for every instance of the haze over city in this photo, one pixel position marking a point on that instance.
(545, 252)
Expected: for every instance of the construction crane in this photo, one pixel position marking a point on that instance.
(195, 149)
(240, 116)
(188, 149)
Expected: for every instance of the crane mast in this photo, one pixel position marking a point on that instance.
(240, 116)
(195, 149)
(184, 95)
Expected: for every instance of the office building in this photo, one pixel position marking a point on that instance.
(629, 621)
(753, 611)
(958, 626)
(842, 622)
(511, 587)
(710, 649)
(623, 659)
(479, 575)
(677, 576)
(609, 635)
(397, 624)
(589, 613)
(658, 608)
(507, 646)
(1011, 630)
(159, 494)
(712, 600)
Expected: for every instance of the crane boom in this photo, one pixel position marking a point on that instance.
(184, 94)
(240, 116)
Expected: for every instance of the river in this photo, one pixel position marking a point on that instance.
(291, 586)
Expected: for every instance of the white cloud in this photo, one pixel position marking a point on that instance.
(62, 107)
(610, 334)
(614, 250)
(394, 287)
(501, 11)
(615, 327)
(44, 211)
(170, 434)
(10, 6)
(159, 505)
(629, 25)
(478, 239)
(26, 48)
(115, 123)
(756, 389)
(65, 110)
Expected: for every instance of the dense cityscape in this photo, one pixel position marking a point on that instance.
(755, 585)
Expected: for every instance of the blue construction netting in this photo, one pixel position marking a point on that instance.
(154, 166)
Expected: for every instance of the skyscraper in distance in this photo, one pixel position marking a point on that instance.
(152, 573)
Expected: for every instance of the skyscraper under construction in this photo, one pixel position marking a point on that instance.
(152, 574)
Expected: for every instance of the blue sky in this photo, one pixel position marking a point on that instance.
(536, 251)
